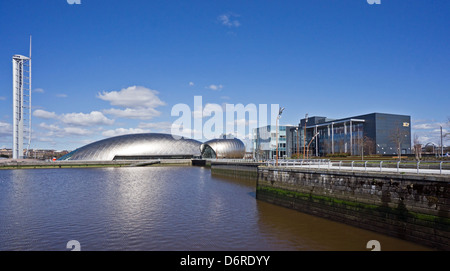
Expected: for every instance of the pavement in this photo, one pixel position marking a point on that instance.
(374, 169)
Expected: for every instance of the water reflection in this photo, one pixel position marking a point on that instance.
(158, 208)
(300, 231)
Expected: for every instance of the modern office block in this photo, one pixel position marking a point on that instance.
(370, 134)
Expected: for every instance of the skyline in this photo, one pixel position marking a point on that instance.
(106, 68)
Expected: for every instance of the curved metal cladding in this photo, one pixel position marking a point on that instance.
(138, 146)
(224, 148)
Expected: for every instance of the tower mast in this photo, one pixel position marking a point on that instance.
(21, 104)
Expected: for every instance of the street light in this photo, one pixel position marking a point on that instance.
(442, 145)
(298, 144)
(304, 136)
(278, 117)
(307, 153)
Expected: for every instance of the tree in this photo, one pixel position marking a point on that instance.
(366, 146)
(369, 145)
(398, 136)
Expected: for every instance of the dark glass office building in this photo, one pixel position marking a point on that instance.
(376, 133)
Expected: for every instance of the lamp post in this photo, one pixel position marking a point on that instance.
(298, 144)
(278, 117)
(442, 145)
(304, 136)
(307, 153)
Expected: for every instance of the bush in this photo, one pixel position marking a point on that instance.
(337, 155)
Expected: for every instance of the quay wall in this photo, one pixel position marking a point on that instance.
(411, 207)
(235, 170)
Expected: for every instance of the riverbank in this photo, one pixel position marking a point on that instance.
(6, 164)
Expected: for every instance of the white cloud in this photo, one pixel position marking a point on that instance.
(124, 131)
(139, 102)
(45, 139)
(229, 20)
(426, 126)
(44, 114)
(429, 131)
(38, 90)
(52, 130)
(49, 127)
(155, 125)
(133, 97)
(191, 84)
(61, 95)
(77, 131)
(81, 119)
(5, 128)
(2, 98)
(130, 113)
(215, 87)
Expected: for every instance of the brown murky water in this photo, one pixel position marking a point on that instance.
(160, 209)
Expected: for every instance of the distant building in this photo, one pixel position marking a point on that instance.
(35, 154)
(5, 153)
(375, 133)
(265, 142)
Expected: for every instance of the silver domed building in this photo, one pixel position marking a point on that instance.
(137, 147)
(223, 148)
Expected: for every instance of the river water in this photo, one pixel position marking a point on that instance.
(160, 209)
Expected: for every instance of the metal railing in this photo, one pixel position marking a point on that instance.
(400, 167)
(301, 162)
(232, 160)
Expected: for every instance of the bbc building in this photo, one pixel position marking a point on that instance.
(370, 134)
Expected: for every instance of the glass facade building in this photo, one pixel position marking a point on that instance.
(264, 143)
(370, 134)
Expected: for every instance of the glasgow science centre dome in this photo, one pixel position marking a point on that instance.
(156, 146)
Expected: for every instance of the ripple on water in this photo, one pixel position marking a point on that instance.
(158, 208)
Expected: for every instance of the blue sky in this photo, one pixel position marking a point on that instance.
(103, 68)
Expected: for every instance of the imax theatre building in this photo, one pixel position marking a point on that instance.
(156, 146)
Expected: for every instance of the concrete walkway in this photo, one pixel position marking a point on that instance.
(372, 168)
